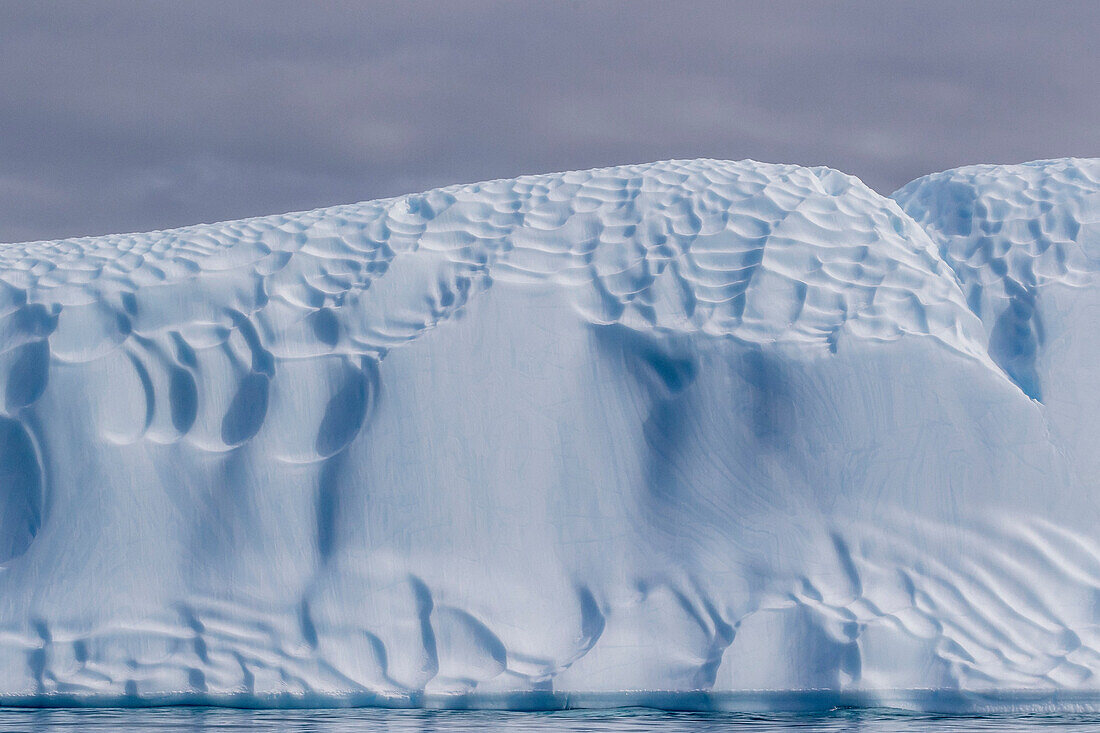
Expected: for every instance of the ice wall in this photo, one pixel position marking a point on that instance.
(695, 433)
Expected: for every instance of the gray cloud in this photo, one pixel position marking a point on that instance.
(123, 116)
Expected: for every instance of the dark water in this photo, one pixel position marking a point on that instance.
(225, 720)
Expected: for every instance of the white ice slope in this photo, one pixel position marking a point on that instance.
(692, 433)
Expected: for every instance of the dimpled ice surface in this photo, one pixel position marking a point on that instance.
(694, 433)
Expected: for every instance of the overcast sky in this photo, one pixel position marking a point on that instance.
(132, 116)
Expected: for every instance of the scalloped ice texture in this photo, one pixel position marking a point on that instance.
(1010, 232)
(689, 433)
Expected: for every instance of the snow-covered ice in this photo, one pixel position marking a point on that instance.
(700, 433)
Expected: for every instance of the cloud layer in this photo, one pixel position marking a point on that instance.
(118, 117)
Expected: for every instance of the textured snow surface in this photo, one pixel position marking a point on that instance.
(689, 433)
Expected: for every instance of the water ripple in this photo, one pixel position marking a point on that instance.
(588, 721)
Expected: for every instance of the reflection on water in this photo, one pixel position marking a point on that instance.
(224, 720)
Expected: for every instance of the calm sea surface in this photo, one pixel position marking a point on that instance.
(623, 720)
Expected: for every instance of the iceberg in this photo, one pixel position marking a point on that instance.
(688, 434)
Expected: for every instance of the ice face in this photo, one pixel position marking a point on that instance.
(694, 428)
